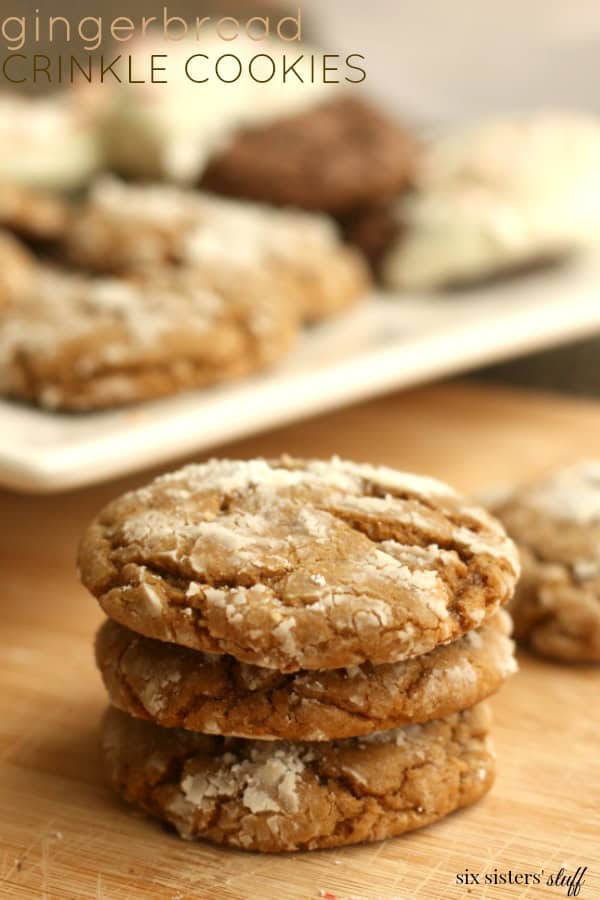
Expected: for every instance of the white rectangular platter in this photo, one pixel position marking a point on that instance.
(388, 342)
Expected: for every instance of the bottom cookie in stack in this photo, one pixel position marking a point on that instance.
(280, 795)
(309, 643)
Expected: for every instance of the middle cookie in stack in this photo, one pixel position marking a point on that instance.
(335, 625)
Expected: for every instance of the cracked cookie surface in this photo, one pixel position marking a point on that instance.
(556, 525)
(182, 688)
(296, 564)
(126, 228)
(278, 796)
(80, 343)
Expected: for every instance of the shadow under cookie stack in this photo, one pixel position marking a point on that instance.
(297, 652)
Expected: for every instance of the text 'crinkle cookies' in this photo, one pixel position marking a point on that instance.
(309, 643)
(556, 525)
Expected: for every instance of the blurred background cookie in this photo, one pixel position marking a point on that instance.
(38, 217)
(338, 156)
(80, 343)
(556, 525)
(48, 143)
(372, 229)
(124, 229)
(496, 197)
(17, 267)
(171, 130)
(343, 156)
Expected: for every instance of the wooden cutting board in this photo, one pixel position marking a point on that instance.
(64, 835)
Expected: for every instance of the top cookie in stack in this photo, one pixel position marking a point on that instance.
(298, 565)
(295, 601)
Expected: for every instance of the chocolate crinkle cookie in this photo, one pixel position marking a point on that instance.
(336, 156)
(556, 525)
(372, 229)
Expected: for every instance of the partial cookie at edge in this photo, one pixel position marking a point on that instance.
(498, 198)
(556, 525)
(75, 342)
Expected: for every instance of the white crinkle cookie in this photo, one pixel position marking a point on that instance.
(497, 197)
(49, 143)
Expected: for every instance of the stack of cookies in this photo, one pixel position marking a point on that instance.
(297, 651)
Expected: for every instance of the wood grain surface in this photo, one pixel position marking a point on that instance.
(64, 835)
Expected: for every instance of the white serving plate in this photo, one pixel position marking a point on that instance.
(389, 342)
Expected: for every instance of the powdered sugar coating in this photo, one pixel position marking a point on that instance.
(267, 780)
(292, 564)
(571, 495)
